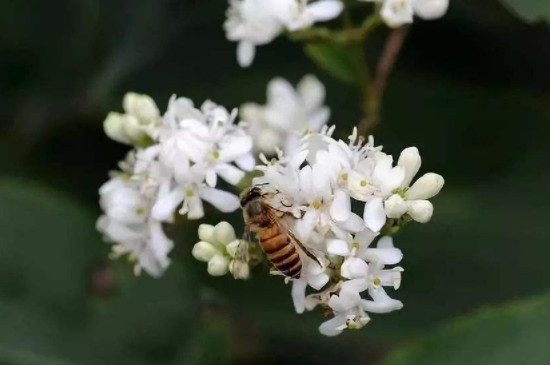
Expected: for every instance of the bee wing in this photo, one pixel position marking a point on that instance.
(303, 248)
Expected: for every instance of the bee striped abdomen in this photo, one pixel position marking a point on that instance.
(282, 253)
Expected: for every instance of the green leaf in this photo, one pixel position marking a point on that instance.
(49, 315)
(530, 10)
(339, 60)
(512, 334)
(47, 243)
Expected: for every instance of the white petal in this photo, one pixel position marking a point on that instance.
(230, 173)
(410, 160)
(397, 12)
(218, 265)
(374, 215)
(390, 277)
(340, 209)
(299, 295)
(365, 237)
(224, 233)
(317, 281)
(354, 267)
(395, 206)
(312, 92)
(246, 162)
(114, 127)
(325, 9)
(333, 326)
(385, 256)
(394, 179)
(337, 247)
(385, 242)
(245, 53)
(426, 187)
(221, 200)
(204, 251)
(234, 147)
(195, 209)
(354, 223)
(304, 226)
(381, 302)
(357, 285)
(206, 232)
(164, 208)
(420, 210)
(211, 178)
(430, 9)
(344, 301)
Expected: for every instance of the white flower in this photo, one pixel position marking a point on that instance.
(413, 200)
(258, 22)
(395, 196)
(138, 125)
(287, 115)
(223, 252)
(195, 147)
(127, 224)
(396, 13)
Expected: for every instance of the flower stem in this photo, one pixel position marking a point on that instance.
(372, 93)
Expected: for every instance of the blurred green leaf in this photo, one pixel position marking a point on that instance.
(47, 242)
(512, 334)
(530, 10)
(339, 60)
(49, 315)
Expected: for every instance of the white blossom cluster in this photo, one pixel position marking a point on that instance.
(396, 13)
(355, 260)
(257, 22)
(288, 114)
(174, 166)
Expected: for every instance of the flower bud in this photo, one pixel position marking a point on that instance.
(218, 265)
(141, 106)
(426, 187)
(114, 126)
(206, 232)
(204, 251)
(430, 9)
(420, 210)
(410, 161)
(395, 206)
(224, 233)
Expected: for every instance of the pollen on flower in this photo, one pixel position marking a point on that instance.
(216, 154)
(344, 176)
(317, 204)
(376, 281)
(189, 192)
(363, 183)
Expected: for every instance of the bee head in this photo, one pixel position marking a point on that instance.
(250, 194)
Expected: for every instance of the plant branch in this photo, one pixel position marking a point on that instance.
(386, 62)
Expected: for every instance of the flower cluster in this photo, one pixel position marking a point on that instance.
(174, 166)
(396, 13)
(355, 258)
(258, 22)
(288, 114)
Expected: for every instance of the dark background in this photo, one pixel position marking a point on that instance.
(471, 91)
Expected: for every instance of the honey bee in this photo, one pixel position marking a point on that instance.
(270, 226)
